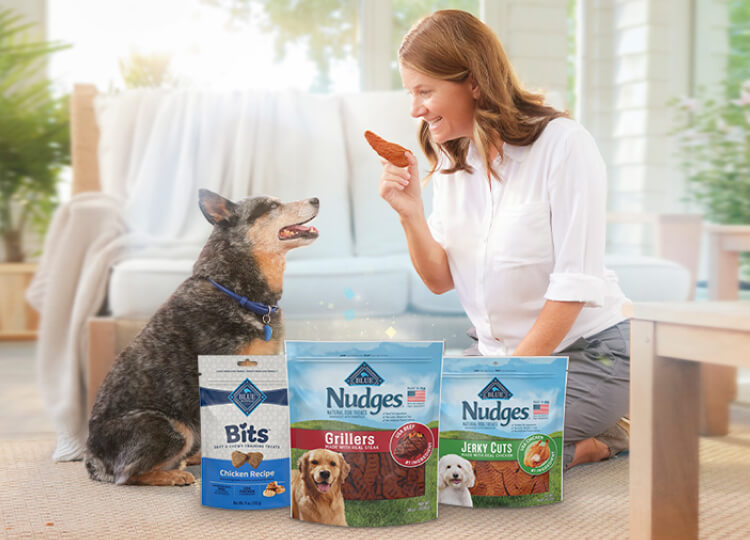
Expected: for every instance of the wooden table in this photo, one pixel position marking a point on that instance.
(18, 320)
(719, 382)
(669, 343)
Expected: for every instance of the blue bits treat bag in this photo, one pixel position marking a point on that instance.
(501, 431)
(364, 431)
(244, 432)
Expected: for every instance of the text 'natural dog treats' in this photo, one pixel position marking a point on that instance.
(501, 431)
(364, 431)
(244, 431)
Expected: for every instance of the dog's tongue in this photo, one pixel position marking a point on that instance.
(324, 487)
(456, 481)
(302, 228)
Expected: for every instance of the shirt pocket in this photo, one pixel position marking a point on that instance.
(521, 235)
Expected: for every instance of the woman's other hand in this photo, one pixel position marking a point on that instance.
(400, 187)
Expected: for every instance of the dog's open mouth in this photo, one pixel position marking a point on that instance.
(456, 481)
(298, 231)
(323, 487)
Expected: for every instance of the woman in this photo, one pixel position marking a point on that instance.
(518, 222)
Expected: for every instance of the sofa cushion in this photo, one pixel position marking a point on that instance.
(650, 279)
(421, 299)
(377, 230)
(354, 287)
(154, 279)
(318, 288)
(349, 287)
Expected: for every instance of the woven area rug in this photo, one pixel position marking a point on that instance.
(42, 499)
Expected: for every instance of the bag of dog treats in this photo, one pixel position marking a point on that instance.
(244, 432)
(364, 431)
(501, 431)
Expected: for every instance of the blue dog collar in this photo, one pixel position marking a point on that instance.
(255, 307)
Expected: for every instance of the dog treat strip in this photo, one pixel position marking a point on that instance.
(388, 150)
(502, 478)
(376, 476)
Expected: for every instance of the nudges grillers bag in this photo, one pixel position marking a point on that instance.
(244, 432)
(364, 431)
(501, 431)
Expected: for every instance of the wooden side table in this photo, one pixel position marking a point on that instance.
(669, 344)
(719, 383)
(18, 320)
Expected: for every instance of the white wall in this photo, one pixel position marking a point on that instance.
(634, 56)
(33, 10)
(535, 36)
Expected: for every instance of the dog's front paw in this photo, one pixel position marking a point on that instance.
(182, 478)
(173, 477)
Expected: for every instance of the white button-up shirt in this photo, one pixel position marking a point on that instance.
(536, 235)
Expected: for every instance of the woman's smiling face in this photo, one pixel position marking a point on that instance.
(446, 106)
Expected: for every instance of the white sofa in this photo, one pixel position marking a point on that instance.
(356, 281)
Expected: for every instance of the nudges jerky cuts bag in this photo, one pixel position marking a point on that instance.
(501, 431)
(244, 432)
(364, 431)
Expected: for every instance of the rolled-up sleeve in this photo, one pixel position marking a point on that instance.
(578, 205)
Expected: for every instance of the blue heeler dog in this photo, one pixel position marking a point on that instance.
(145, 423)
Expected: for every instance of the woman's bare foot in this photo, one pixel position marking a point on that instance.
(589, 451)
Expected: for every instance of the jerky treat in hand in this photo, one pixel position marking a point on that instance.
(410, 445)
(387, 150)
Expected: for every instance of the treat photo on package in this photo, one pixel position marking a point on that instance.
(364, 431)
(244, 432)
(501, 431)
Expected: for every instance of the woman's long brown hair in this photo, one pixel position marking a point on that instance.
(453, 45)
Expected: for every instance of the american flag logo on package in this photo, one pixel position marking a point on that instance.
(415, 396)
(541, 410)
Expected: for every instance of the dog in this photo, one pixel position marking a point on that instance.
(317, 486)
(145, 422)
(455, 478)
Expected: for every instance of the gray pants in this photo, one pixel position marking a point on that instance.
(598, 389)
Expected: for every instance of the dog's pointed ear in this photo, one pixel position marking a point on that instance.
(216, 208)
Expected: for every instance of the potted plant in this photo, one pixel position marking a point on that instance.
(714, 151)
(34, 147)
(713, 137)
